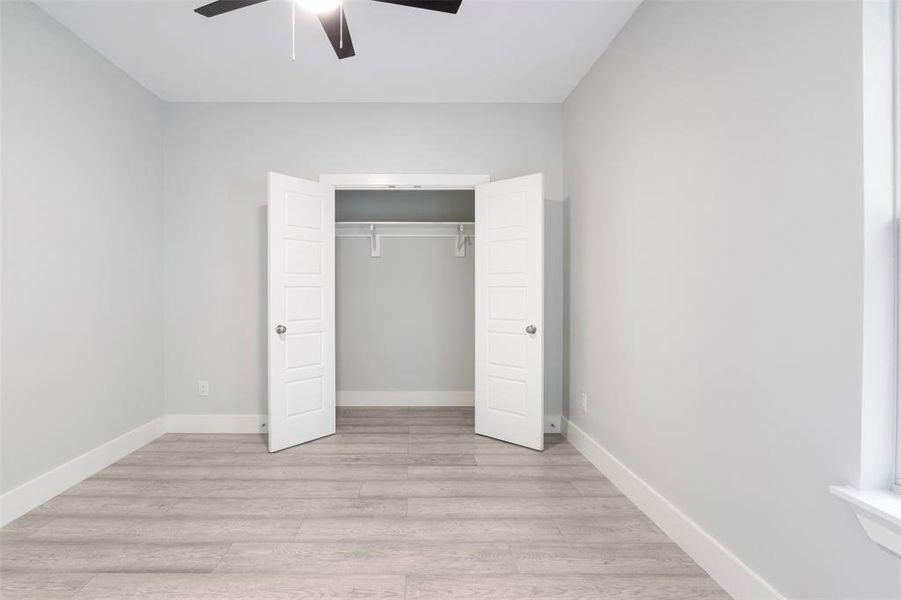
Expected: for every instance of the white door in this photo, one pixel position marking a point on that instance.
(301, 311)
(509, 255)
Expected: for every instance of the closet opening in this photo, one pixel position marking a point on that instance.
(406, 290)
(405, 297)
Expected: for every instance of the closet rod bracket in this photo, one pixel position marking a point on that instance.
(462, 239)
(375, 247)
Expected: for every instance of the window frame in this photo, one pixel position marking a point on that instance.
(896, 149)
(874, 492)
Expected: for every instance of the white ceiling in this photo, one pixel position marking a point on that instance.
(491, 51)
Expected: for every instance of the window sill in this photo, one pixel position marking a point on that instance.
(879, 513)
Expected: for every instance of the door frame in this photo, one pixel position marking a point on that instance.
(403, 181)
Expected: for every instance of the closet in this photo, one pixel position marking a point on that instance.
(405, 297)
(406, 290)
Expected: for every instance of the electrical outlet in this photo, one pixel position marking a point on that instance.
(583, 402)
(203, 388)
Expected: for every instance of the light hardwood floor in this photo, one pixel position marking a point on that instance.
(400, 503)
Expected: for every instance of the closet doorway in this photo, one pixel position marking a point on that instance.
(506, 235)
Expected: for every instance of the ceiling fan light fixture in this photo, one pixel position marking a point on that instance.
(331, 16)
(319, 6)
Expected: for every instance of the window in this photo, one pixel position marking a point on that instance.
(876, 495)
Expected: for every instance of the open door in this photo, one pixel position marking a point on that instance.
(301, 311)
(509, 255)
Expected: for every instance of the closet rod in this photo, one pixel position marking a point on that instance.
(462, 231)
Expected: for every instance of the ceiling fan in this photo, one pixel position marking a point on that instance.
(331, 15)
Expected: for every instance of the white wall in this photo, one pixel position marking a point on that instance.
(217, 157)
(714, 177)
(81, 248)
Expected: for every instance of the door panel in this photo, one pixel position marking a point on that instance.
(302, 300)
(509, 298)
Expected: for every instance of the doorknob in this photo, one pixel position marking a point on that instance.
(531, 329)
(280, 329)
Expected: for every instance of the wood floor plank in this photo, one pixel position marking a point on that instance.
(23, 527)
(452, 438)
(361, 438)
(223, 586)
(41, 585)
(605, 559)
(343, 411)
(461, 488)
(386, 558)
(368, 428)
(247, 438)
(533, 458)
(608, 527)
(483, 445)
(94, 556)
(107, 506)
(300, 508)
(167, 530)
(441, 459)
(599, 486)
(525, 506)
(429, 530)
(562, 587)
(467, 435)
(224, 446)
(244, 488)
(399, 447)
(462, 429)
(493, 473)
(280, 473)
(201, 458)
(308, 448)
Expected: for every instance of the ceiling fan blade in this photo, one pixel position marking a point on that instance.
(447, 6)
(333, 22)
(223, 6)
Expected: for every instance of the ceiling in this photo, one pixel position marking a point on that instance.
(491, 51)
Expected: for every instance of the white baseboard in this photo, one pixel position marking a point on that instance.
(725, 568)
(464, 398)
(216, 423)
(30, 495)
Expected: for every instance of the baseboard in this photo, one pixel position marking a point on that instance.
(725, 568)
(378, 398)
(30, 495)
(216, 423)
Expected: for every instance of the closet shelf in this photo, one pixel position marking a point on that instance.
(463, 232)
